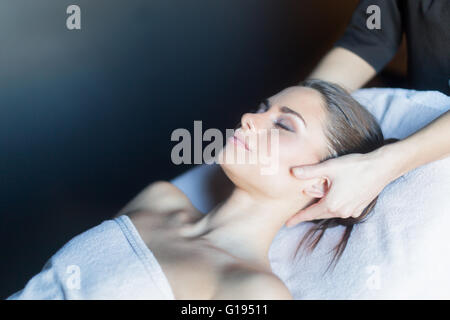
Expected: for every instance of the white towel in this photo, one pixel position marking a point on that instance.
(109, 261)
(401, 112)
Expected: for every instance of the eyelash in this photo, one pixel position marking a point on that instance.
(282, 126)
(263, 108)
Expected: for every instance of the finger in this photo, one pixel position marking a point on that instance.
(310, 171)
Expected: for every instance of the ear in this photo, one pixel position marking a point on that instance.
(318, 188)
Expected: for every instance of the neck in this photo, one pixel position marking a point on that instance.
(245, 225)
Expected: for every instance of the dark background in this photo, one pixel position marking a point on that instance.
(86, 115)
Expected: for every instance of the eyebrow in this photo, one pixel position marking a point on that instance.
(285, 109)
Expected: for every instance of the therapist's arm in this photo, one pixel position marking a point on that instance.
(427, 145)
(343, 67)
(356, 179)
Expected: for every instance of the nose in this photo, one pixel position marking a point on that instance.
(250, 121)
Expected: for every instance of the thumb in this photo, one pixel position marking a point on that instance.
(313, 212)
(309, 171)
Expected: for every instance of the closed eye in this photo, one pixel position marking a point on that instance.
(281, 125)
(263, 107)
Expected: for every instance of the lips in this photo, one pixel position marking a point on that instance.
(239, 140)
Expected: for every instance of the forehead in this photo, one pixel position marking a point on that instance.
(306, 101)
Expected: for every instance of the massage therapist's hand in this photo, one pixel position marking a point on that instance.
(354, 181)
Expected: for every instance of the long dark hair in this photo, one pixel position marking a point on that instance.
(350, 128)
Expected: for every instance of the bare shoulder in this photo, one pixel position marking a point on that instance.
(254, 285)
(159, 197)
(266, 286)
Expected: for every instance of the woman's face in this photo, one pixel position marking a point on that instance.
(298, 115)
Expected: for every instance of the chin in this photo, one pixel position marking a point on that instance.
(247, 177)
(238, 173)
(250, 176)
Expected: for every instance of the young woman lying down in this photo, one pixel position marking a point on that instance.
(161, 247)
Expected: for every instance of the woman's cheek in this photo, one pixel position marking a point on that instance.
(291, 152)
